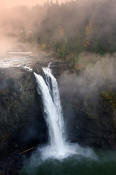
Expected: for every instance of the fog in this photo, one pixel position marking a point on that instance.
(12, 3)
(80, 32)
(76, 26)
(92, 79)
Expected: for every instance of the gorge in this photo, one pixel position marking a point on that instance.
(58, 87)
(59, 152)
(58, 147)
(19, 91)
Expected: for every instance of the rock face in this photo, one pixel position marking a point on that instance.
(89, 121)
(58, 67)
(92, 128)
(22, 124)
(90, 116)
(21, 119)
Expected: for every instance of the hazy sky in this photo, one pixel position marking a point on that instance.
(10, 3)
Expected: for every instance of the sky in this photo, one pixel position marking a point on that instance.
(10, 3)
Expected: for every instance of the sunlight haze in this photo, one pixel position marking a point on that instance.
(7, 3)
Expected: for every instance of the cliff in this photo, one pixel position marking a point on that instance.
(89, 121)
(21, 119)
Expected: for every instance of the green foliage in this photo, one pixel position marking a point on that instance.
(61, 50)
(110, 97)
(76, 35)
(68, 29)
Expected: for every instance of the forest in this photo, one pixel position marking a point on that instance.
(58, 87)
(67, 29)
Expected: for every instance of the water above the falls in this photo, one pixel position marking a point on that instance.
(58, 147)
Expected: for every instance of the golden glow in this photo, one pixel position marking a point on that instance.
(10, 3)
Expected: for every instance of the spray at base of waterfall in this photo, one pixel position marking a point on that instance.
(58, 147)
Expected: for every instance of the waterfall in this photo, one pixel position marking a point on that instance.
(54, 91)
(57, 147)
(51, 114)
(48, 89)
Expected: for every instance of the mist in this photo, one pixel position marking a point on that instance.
(66, 28)
(92, 79)
(78, 36)
(72, 30)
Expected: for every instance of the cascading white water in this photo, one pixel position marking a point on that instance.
(51, 114)
(58, 147)
(53, 88)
